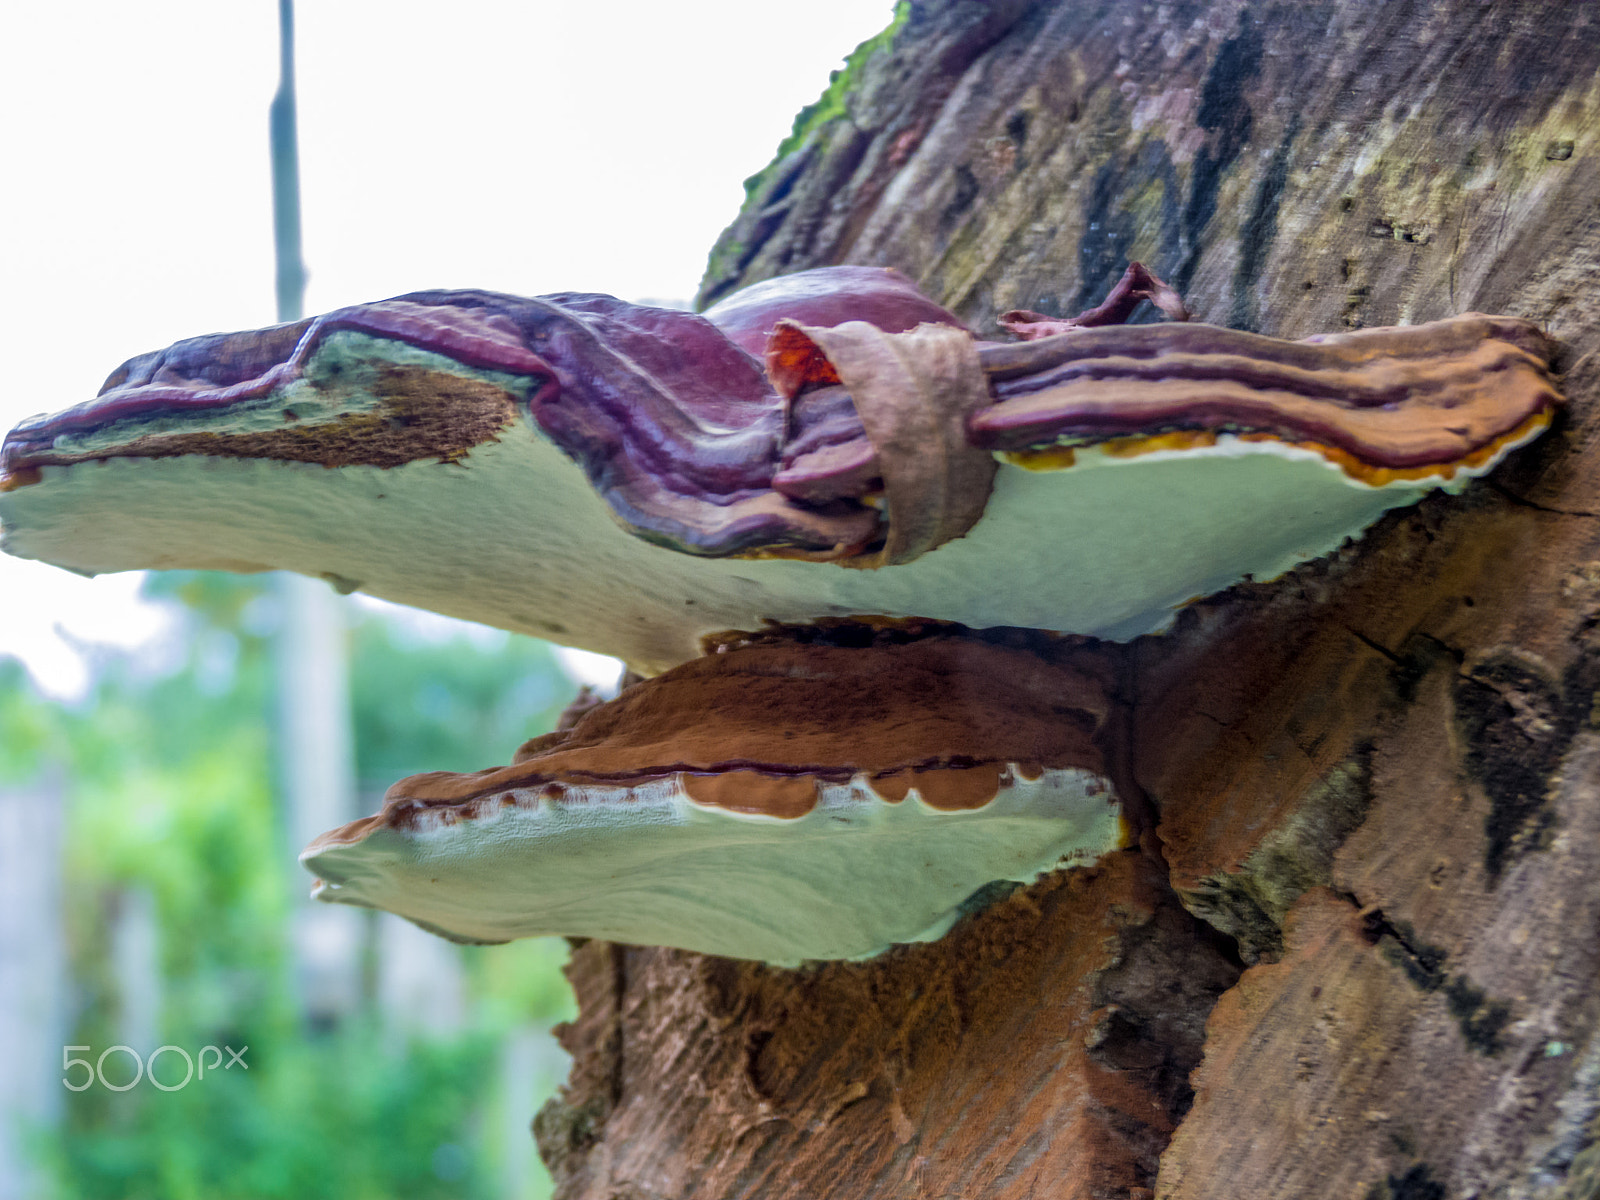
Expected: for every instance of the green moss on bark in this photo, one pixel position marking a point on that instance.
(830, 106)
(728, 256)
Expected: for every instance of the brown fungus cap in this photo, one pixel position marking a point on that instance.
(777, 712)
(778, 801)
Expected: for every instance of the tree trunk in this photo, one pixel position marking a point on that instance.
(1378, 778)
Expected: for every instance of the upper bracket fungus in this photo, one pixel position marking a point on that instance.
(831, 446)
(528, 462)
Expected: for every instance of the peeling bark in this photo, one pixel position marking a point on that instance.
(1377, 779)
(1042, 1048)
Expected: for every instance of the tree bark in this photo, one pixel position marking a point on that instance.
(1377, 779)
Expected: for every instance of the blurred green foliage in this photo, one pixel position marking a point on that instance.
(447, 706)
(343, 1116)
(170, 791)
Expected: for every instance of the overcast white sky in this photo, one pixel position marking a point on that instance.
(532, 146)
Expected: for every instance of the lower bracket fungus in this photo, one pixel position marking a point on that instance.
(777, 802)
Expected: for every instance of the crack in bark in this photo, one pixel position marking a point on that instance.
(1523, 502)
(1480, 1017)
(1375, 646)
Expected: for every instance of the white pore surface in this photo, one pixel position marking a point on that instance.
(648, 866)
(513, 536)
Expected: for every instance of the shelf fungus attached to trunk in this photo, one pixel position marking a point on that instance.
(628, 479)
(832, 446)
(774, 802)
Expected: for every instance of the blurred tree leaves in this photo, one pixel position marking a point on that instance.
(170, 786)
(446, 706)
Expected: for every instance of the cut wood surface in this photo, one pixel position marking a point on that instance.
(1377, 778)
(1042, 1048)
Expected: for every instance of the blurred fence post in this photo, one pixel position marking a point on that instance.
(33, 975)
(532, 1066)
(136, 965)
(316, 773)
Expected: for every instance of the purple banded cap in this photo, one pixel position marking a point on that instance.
(629, 479)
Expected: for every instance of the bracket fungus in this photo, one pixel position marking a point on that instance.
(774, 802)
(827, 446)
(528, 462)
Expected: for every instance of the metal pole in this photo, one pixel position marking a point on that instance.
(286, 176)
(315, 756)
